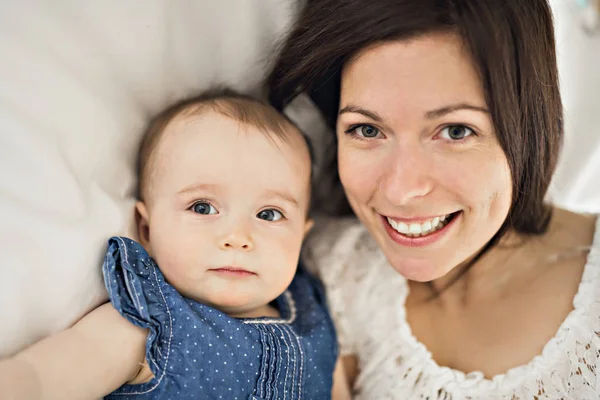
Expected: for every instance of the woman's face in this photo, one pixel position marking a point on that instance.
(418, 155)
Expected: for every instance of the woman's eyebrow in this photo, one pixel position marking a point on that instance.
(350, 108)
(433, 114)
(440, 112)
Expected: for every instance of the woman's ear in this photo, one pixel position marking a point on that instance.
(308, 226)
(143, 225)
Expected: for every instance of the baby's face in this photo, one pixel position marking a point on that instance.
(227, 211)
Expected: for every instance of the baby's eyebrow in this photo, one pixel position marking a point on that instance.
(209, 187)
(285, 196)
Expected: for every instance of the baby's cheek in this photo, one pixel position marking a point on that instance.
(290, 250)
(172, 267)
(288, 255)
(174, 255)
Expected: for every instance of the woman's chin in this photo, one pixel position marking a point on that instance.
(419, 270)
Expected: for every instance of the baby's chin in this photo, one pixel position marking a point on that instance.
(239, 306)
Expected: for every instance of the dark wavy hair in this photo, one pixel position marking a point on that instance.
(512, 46)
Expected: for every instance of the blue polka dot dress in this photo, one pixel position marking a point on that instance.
(198, 352)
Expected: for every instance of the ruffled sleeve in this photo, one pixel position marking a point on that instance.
(138, 291)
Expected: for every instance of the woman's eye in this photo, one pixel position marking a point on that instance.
(270, 215)
(366, 131)
(456, 132)
(203, 207)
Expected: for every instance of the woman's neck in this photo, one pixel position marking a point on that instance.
(512, 261)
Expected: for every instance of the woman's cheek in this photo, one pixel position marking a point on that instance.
(359, 172)
(480, 181)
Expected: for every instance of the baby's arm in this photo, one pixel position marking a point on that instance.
(89, 360)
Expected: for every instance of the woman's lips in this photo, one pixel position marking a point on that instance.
(420, 239)
(233, 272)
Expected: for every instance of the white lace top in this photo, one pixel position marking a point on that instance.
(366, 297)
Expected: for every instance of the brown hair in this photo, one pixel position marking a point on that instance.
(239, 107)
(511, 43)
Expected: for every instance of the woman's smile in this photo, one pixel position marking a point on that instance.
(419, 226)
(420, 231)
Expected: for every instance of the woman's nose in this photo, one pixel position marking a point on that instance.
(407, 174)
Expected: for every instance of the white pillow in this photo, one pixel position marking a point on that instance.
(79, 80)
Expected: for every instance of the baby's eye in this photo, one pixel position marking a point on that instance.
(203, 207)
(270, 215)
(365, 131)
(456, 132)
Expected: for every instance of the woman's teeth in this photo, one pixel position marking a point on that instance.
(423, 229)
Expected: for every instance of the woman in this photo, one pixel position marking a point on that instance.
(458, 281)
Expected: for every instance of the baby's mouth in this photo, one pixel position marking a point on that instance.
(422, 229)
(233, 271)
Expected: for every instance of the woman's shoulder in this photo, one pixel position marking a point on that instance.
(576, 236)
(572, 229)
(573, 355)
(581, 233)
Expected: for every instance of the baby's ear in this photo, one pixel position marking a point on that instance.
(308, 226)
(142, 222)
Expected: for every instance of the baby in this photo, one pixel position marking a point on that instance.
(211, 304)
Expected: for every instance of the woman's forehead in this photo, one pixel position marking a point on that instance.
(429, 69)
